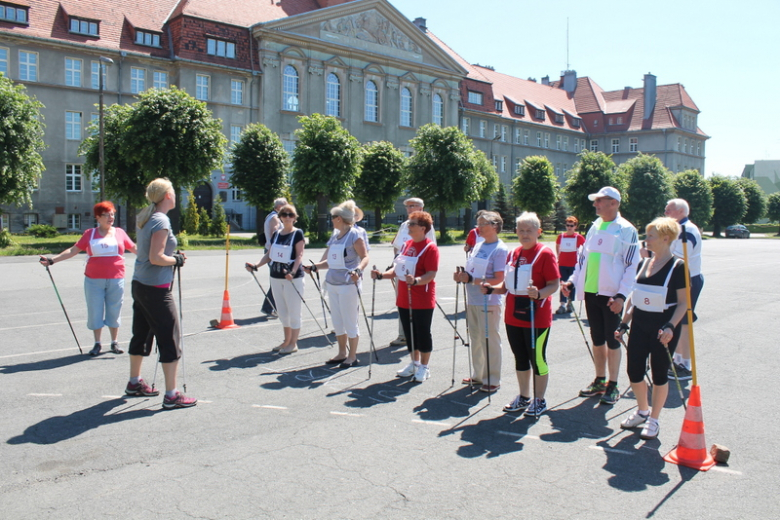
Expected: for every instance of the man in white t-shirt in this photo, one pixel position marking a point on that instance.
(270, 226)
(412, 204)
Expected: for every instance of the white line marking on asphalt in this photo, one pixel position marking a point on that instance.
(726, 470)
(346, 414)
(519, 435)
(36, 353)
(436, 423)
(45, 395)
(112, 396)
(269, 407)
(204, 401)
(611, 450)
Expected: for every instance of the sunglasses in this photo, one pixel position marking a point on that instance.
(570, 225)
(412, 223)
(285, 214)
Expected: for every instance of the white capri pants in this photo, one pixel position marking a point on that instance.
(104, 301)
(288, 303)
(476, 317)
(344, 308)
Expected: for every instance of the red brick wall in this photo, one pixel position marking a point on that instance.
(488, 103)
(189, 36)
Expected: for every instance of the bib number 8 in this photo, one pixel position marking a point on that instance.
(647, 301)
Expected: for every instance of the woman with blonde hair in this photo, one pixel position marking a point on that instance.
(345, 259)
(285, 255)
(154, 310)
(654, 310)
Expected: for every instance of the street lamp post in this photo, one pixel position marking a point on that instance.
(107, 61)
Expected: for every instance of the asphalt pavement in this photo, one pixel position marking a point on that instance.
(289, 437)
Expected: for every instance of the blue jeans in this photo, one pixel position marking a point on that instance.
(104, 301)
(566, 273)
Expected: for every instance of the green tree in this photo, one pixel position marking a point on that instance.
(489, 182)
(535, 187)
(219, 225)
(379, 184)
(728, 202)
(326, 165)
(649, 187)
(593, 171)
(756, 200)
(773, 208)
(444, 170)
(502, 207)
(191, 215)
(691, 186)
(204, 226)
(260, 166)
(21, 143)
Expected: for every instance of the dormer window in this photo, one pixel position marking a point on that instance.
(519, 110)
(13, 13)
(559, 118)
(220, 48)
(84, 26)
(499, 106)
(147, 38)
(576, 122)
(475, 98)
(540, 114)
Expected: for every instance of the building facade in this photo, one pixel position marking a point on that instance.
(765, 173)
(255, 61)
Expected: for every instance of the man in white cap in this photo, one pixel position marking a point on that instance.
(604, 277)
(412, 204)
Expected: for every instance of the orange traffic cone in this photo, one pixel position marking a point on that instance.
(691, 450)
(226, 320)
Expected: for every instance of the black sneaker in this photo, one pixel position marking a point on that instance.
(519, 404)
(597, 387)
(611, 395)
(115, 348)
(538, 407)
(683, 374)
(95, 350)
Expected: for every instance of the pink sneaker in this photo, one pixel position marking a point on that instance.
(140, 389)
(179, 401)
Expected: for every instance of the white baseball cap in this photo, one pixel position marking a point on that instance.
(606, 191)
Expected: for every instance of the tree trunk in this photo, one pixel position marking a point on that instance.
(716, 230)
(467, 220)
(377, 219)
(442, 224)
(322, 217)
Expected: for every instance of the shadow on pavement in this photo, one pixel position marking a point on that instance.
(382, 392)
(47, 364)
(635, 464)
(586, 420)
(262, 358)
(454, 404)
(61, 428)
(492, 437)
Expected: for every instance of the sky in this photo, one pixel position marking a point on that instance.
(726, 54)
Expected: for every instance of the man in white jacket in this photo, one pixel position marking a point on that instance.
(604, 277)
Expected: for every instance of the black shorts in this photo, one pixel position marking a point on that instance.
(603, 322)
(154, 316)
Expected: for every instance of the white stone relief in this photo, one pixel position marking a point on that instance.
(318, 71)
(270, 62)
(373, 27)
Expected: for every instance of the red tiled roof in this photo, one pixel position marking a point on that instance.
(588, 96)
(667, 97)
(244, 13)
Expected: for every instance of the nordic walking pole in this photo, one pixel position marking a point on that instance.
(372, 349)
(487, 340)
(533, 348)
(373, 300)
(622, 342)
(674, 371)
(319, 290)
(411, 319)
(259, 285)
(577, 317)
(689, 313)
(63, 308)
(309, 309)
(181, 330)
(468, 334)
(455, 337)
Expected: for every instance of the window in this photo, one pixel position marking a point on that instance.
(539, 139)
(616, 146)
(611, 121)
(236, 195)
(595, 123)
(236, 92)
(698, 148)
(137, 80)
(202, 82)
(73, 126)
(13, 13)
(74, 221)
(235, 133)
(494, 162)
(633, 144)
(160, 79)
(499, 106)
(679, 144)
(147, 38)
(547, 139)
(620, 120)
(520, 110)
(504, 132)
(94, 119)
(517, 136)
(290, 89)
(72, 177)
(503, 163)
(30, 219)
(95, 182)
(594, 145)
(4, 60)
(518, 163)
(372, 102)
(465, 124)
(438, 110)
(557, 142)
(72, 72)
(526, 134)
(566, 143)
(406, 107)
(28, 66)
(475, 98)
(496, 131)
(559, 118)
(582, 147)
(221, 48)
(5, 221)
(94, 78)
(483, 129)
(540, 114)
(685, 146)
(576, 145)
(82, 26)
(576, 122)
(333, 96)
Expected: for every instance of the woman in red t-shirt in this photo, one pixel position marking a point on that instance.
(566, 246)
(104, 281)
(415, 267)
(530, 278)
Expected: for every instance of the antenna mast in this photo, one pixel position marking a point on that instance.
(567, 43)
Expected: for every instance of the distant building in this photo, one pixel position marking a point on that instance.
(765, 173)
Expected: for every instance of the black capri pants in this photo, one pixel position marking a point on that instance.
(603, 322)
(643, 343)
(154, 316)
(422, 318)
(525, 352)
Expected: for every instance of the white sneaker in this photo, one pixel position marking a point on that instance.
(650, 429)
(422, 373)
(634, 420)
(407, 371)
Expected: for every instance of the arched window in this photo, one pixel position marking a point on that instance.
(438, 110)
(290, 89)
(406, 107)
(333, 96)
(372, 102)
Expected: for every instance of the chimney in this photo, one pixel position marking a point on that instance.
(546, 80)
(569, 80)
(421, 23)
(650, 95)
